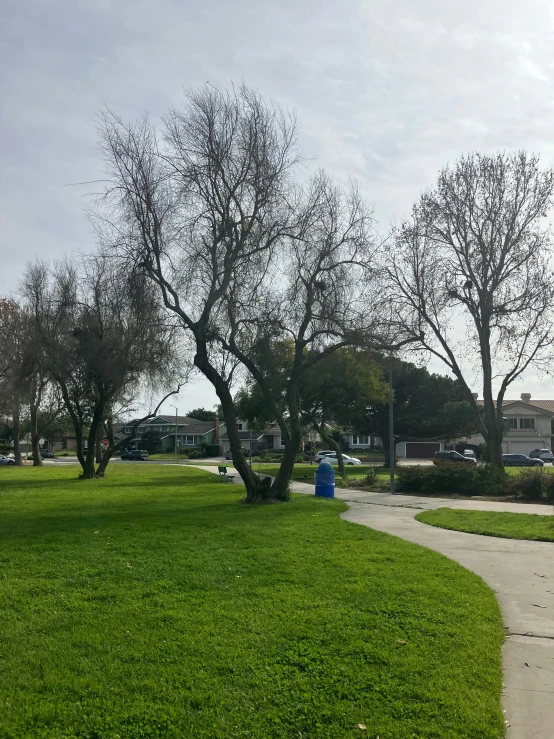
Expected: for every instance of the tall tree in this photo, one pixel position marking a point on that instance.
(198, 211)
(241, 253)
(471, 277)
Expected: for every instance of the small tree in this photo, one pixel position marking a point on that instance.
(471, 277)
(101, 335)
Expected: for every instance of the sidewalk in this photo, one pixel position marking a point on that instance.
(521, 573)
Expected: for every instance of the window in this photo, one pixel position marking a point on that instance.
(511, 423)
(127, 429)
(239, 426)
(358, 440)
(141, 430)
(527, 423)
(189, 440)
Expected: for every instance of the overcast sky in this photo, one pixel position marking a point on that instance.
(386, 91)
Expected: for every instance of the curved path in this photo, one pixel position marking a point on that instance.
(521, 573)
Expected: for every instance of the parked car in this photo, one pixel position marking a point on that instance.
(521, 460)
(544, 454)
(449, 455)
(324, 453)
(470, 453)
(138, 455)
(6, 460)
(47, 454)
(333, 459)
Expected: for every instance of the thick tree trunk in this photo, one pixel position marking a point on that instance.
(257, 488)
(35, 437)
(16, 434)
(280, 489)
(89, 470)
(98, 445)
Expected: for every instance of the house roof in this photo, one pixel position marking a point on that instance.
(184, 424)
(544, 405)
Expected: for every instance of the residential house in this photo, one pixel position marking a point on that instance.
(162, 429)
(529, 425)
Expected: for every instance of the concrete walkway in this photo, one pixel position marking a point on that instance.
(521, 573)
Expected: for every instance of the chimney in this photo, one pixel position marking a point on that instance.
(526, 397)
(216, 433)
(475, 396)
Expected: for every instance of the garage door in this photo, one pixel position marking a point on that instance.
(523, 447)
(421, 449)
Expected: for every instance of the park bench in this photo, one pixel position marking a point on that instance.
(223, 474)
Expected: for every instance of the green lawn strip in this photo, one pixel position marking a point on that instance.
(152, 603)
(492, 523)
(305, 472)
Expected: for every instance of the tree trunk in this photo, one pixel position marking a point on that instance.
(257, 488)
(16, 434)
(98, 445)
(494, 434)
(335, 446)
(280, 489)
(35, 438)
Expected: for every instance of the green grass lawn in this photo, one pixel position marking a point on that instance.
(153, 604)
(506, 525)
(306, 471)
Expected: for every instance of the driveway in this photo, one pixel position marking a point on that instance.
(521, 573)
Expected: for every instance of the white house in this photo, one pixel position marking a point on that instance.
(530, 425)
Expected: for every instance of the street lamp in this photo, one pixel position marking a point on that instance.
(176, 420)
(392, 449)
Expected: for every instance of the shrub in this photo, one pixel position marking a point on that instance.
(371, 476)
(489, 480)
(212, 450)
(451, 477)
(193, 454)
(532, 485)
(299, 458)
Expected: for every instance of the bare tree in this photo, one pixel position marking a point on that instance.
(471, 275)
(196, 210)
(102, 334)
(317, 295)
(12, 336)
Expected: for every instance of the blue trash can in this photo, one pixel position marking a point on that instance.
(325, 480)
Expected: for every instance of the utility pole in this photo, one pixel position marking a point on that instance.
(392, 446)
(176, 417)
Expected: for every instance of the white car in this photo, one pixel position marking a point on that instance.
(324, 453)
(6, 460)
(470, 454)
(544, 454)
(332, 459)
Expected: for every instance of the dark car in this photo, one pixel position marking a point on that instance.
(138, 455)
(448, 455)
(520, 460)
(47, 454)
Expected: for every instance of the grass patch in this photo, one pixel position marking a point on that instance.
(303, 472)
(152, 604)
(491, 523)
